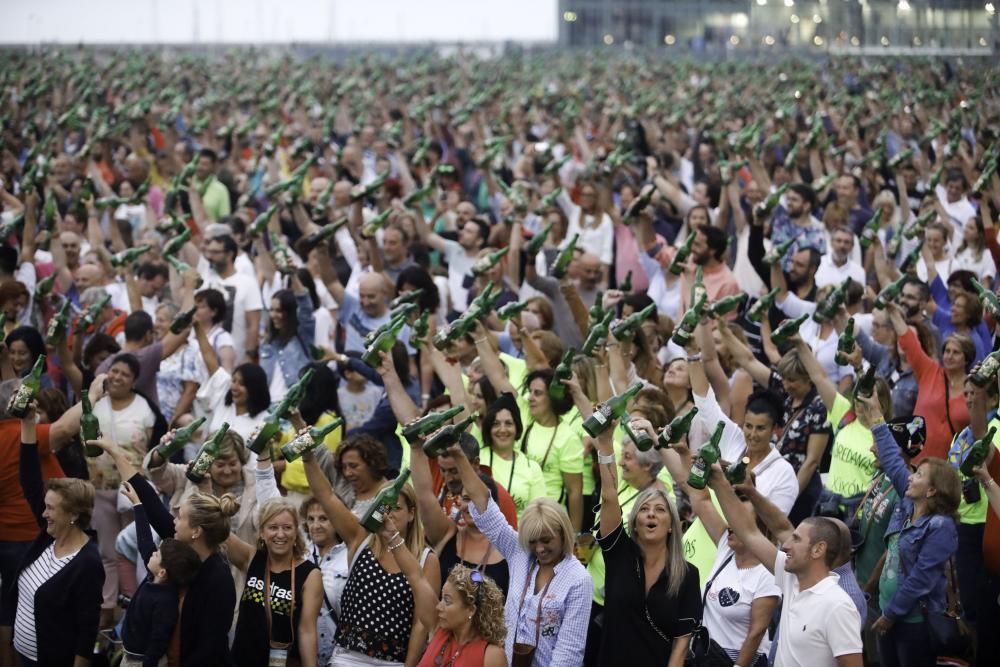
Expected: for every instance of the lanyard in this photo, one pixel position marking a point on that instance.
(267, 605)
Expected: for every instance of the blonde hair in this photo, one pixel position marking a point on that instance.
(76, 497)
(211, 514)
(544, 516)
(275, 507)
(414, 532)
(488, 620)
(676, 565)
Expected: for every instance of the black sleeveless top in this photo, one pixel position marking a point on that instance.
(252, 645)
(448, 558)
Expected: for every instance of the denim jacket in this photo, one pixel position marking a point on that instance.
(294, 354)
(924, 547)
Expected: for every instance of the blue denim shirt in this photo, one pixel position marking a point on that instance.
(291, 356)
(924, 547)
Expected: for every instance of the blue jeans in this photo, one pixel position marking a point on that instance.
(11, 554)
(906, 645)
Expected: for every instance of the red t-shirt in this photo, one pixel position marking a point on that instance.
(17, 523)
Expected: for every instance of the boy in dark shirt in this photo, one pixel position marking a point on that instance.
(154, 609)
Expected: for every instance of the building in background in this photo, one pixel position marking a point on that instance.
(824, 25)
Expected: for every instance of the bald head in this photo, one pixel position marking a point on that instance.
(372, 294)
(342, 193)
(89, 275)
(589, 271)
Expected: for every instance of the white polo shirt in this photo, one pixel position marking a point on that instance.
(817, 624)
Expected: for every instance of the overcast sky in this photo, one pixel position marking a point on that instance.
(275, 21)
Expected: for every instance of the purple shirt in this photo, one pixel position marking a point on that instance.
(149, 365)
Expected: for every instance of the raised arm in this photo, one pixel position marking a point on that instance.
(490, 360)
(611, 509)
(344, 522)
(437, 525)
(740, 520)
(424, 597)
(744, 357)
(824, 386)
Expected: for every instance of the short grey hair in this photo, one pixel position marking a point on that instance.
(92, 295)
(7, 389)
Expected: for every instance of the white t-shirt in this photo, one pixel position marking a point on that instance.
(326, 330)
(459, 266)
(984, 267)
(818, 624)
(119, 296)
(242, 296)
(127, 427)
(596, 237)
(959, 212)
(829, 273)
(728, 600)
(210, 401)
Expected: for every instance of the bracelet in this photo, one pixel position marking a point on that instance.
(695, 358)
(600, 365)
(605, 459)
(393, 547)
(990, 482)
(480, 340)
(394, 536)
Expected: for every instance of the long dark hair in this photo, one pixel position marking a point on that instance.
(321, 394)
(289, 308)
(31, 339)
(258, 391)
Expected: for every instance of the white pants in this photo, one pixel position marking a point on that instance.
(344, 658)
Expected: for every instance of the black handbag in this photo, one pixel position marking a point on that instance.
(947, 631)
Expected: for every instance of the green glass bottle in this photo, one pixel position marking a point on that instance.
(446, 437)
(627, 328)
(182, 321)
(413, 296)
(596, 312)
(727, 305)
(870, 232)
(910, 261)
(890, 292)
(511, 310)
(760, 307)
(259, 225)
(642, 440)
(384, 342)
(430, 422)
(978, 452)
(271, 426)
(384, 503)
(199, 467)
(708, 455)
(626, 285)
(92, 313)
(684, 332)
(786, 330)
(548, 201)
(90, 428)
(611, 409)
(326, 232)
(988, 297)
(371, 227)
(360, 192)
(639, 204)
(181, 437)
(536, 243)
(561, 263)
(676, 264)
(45, 287)
(830, 306)
(309, 439)
(778, 252)
(487, 262)
(598, 332)
(26, 392)
(419, 195)
(986, 372)
(737, 473)
(766, 207)
(845, 344)
(900, 158)
(676, 430)
(322, 206)
(563, 371)
(58, 326)
(865, 384)
(175, 244)
(919, 224)
(553, 166)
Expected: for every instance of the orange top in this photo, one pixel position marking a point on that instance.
(17, 523)
(991, 538)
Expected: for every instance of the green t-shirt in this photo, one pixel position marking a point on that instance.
(520, 476)
(873, 519)
(888, 583)
(852, 463)
(557, 449)
(975, 512)
(699, 548)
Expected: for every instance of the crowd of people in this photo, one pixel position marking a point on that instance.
(544, 360)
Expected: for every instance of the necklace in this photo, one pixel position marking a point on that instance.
(439, 659)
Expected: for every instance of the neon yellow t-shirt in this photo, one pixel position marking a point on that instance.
(557, 449)
(699, 548)
(294, 477)
(974, 513)
(852, 464)
(521, 476)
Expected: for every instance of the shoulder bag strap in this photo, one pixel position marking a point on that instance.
(708, 584)
(267, 606)
(520, 606)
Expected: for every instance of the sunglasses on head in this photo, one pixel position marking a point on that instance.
(477, 578)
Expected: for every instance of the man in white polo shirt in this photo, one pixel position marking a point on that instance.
(819, 626)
